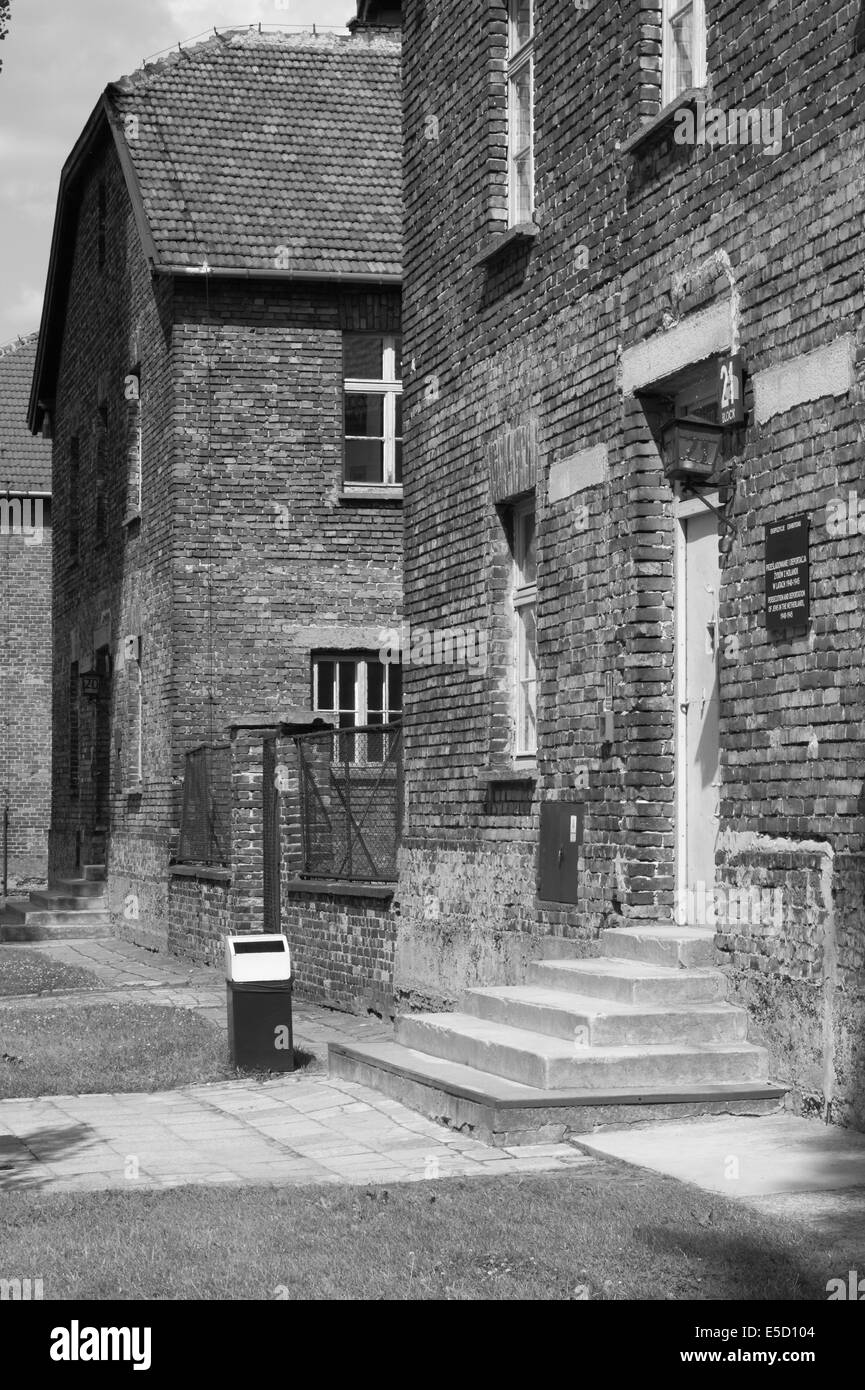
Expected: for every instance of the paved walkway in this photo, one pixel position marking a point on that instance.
(308, 1128)
(301, 1128)
(297, 1129)
(780, 1164)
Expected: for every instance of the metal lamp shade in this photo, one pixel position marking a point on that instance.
(690, 450)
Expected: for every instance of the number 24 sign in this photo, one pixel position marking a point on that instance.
(731, 400)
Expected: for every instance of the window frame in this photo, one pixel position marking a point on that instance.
(390, 387)
(520, 59)
(671, 9)
(361, 660)
(524, 596)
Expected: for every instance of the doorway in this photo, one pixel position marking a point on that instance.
(698, 579)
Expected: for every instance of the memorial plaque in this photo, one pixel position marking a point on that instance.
(787, 573)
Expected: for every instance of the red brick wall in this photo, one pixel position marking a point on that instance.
(246, 557)
(532, 341)
(25, 698)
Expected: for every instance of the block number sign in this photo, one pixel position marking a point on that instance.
(731, 400)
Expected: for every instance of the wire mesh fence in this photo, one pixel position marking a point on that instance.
(351, 788)
(205, 823)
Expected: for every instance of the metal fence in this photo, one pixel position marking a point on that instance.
(351, 789)
(205, 824)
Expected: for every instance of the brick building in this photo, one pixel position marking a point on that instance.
(635, 431)
(225, 272)
(25, 636)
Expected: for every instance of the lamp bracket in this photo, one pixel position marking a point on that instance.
(688, 485)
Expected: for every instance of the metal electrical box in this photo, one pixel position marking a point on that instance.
(559, 850)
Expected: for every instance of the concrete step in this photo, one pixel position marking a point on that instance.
(502, 1112)
(630, 982)
(673, 947)
(78, 887)
(57, 899)
(544, 1062)
(606, 1023)
(25, 923)
(95, 872)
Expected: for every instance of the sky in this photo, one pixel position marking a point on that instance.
(57, 58)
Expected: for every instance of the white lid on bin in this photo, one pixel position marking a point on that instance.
(257, 958)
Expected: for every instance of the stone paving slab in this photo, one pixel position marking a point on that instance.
(240, 1132)
(742, 1156)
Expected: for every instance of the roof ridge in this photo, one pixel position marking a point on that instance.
(252, 35)
(16, 344)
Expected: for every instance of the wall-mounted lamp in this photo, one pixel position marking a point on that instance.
(690, 450)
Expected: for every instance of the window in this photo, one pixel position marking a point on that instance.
(73, 728)
(101, 223)
(74, 466)
(525, 597)
(521, 172)
(372, 372)
(134, 430)
(132, 760)
(356, 690)
(101, 485)
(684, 47)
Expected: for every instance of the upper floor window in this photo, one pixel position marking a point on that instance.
(521, 171)
(525, 600)
(372, 374)
(101, 223)
(684, 47)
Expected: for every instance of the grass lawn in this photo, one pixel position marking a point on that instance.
(59, 1049)
(31, 972)
(618, 1234)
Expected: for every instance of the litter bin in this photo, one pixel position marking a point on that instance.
(258, 984)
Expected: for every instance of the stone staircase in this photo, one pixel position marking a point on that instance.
(67, 908)
(640, 1031)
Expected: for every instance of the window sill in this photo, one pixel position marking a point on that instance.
(209, 873)
(384, 493)
(656, 126)
(518, 772)
(523, 233)
(131, 518)
(338, 888)
(135, 789)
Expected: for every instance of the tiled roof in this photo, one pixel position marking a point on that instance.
(271, 151)
(25, 460)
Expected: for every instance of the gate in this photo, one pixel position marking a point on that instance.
(351, 802)
(270, 834)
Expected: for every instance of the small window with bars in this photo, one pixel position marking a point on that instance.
(354, 691)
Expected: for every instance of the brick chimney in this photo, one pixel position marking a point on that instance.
(376, 14)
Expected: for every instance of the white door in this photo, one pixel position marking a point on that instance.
(697, 707)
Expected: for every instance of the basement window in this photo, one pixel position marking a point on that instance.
(372, 379)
